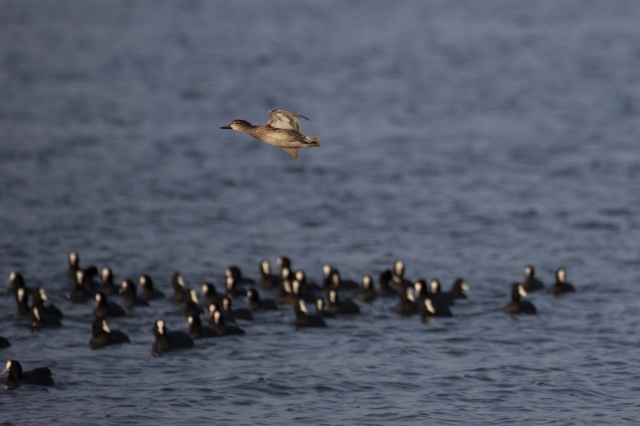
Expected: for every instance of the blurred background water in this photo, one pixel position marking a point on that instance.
(466, 138)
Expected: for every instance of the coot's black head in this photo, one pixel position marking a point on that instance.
(230, 284)
(209, 290)
(80, 277)
(193, 295)
(265, 267)
(284, 262)
(253, 296)
(106, 275)
(296, 287)
(213, 308)
(301, 276)
(159, 328)
(99, 326)
(13, 369)
(285, 287)
(218, 319)
(460, 286)
(300, 308)
(74, 259)
(398, 268)
(101, 299)
(22, 301)
(39, 296)
(367, 282)
(326, 271)
(286, 274)
(428, 306)
(529, 271)
(335, 278)
(16, 280)
(333, 296)
(127, 288)
(36, 316)
(177, 281)
(145, 282)
(408, 294)
(434, 286)
(420, 287)
(517, 291)
(234, 271)
(194, 322)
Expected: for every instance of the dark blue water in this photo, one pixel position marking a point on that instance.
(466, 138)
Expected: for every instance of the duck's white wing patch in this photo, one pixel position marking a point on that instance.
(282, 119)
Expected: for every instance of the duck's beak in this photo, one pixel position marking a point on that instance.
(226, 127)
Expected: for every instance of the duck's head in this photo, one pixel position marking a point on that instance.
(238, 125)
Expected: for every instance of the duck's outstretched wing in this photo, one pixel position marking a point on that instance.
(292, 152)
(281, 119)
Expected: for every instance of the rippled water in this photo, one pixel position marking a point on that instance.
(466, 138)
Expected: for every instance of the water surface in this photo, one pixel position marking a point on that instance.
(467, 138)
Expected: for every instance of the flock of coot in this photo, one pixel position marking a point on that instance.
(212, 314)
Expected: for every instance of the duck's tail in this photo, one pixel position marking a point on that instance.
(312, 141)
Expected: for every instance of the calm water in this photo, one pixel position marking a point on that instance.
(466, 138)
